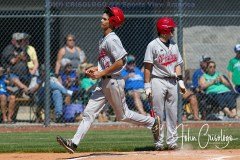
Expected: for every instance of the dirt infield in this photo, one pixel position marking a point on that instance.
(143, 155)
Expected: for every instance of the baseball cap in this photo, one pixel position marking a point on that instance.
(205, 58)
(130, 59)
(20, 36)
(237, 48)
(15, 35)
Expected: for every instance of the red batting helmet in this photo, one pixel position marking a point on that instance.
(165, 25)
(117, 17)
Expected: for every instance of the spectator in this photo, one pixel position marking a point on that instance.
(199, 72)
(57, 91)
(218, 89)
(33, 59)
(134, 83)
(190, 97)
(69, 79)
(86, 82)
(201, 97)
(14, 58)
(5, 97)
(72, 52)
(234, 69)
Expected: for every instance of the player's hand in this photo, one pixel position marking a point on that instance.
(96, 75)
(89, 72)
(182, 86)
(148, 92)
(148, 89)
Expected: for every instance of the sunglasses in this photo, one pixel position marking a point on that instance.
(132, 62)
(71, 40)
(68, 66)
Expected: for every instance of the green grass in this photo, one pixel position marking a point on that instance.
(98, 141)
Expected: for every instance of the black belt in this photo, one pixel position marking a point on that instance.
(153, 76)
(106, 77)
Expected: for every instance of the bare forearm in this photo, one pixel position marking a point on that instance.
(116, 65)
(178, 70)
(147, 72)
(57, 68)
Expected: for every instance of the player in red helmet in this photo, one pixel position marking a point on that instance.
(111, 61)
(163, 71)
(165, 26)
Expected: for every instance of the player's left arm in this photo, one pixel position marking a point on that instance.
(179, 76)
(178, 70)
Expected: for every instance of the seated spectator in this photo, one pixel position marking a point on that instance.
(191, 98)
(217, 87)
(234, 69)
(134, 83)
(15, 59)
(86, 82)
(57, 91)
(33, 59)
(69, 79)
(5, 97)
(199, 72)
(71, 52)
(196, 87)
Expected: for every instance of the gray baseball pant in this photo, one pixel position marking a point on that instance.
(111, 90)
(165, 97)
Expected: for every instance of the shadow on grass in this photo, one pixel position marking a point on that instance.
(95, 155)
(147, 148)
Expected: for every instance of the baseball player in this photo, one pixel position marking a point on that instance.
(111, 61)
(163, 71)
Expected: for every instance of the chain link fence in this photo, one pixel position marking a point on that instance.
(204, 28)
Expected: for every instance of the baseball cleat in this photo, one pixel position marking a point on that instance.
(159, 148)
(156, 128)
(173, 147)
(67, 144)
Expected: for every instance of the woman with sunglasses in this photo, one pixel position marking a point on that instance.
(70, 51)
(219, 90)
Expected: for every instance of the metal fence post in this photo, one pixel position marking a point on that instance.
(180, 46)
(47, 28)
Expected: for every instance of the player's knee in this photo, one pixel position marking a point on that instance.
(88, 116)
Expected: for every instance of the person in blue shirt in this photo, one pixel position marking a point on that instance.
(199, 72)
(134, 83)
(5, 96)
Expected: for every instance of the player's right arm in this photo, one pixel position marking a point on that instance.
(147, 72)
(59, 58)
(148, 64)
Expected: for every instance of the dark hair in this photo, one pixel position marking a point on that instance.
(209, 62)
(108, 12)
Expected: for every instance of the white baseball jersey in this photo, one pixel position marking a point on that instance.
(110, 50)
(164, 59)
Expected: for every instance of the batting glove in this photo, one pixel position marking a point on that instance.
(181, 84)
(148, 90)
